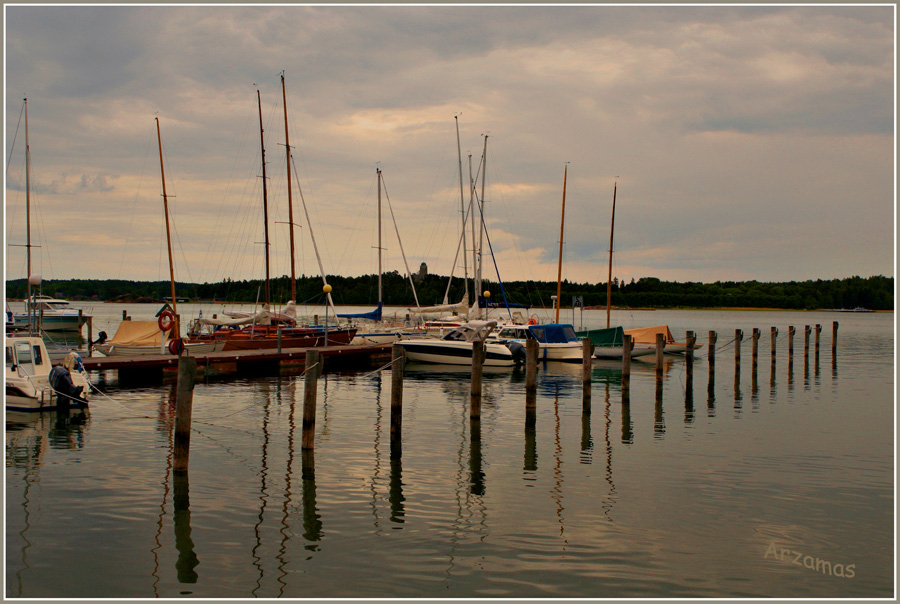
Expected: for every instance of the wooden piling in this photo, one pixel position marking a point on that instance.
(774, 335)
(531, 357)
(660, 347)
(711, 355)
(124, 315)
(806, 331)
(627, 346)
(754, 350)
(184, 397)
(818, 332)
(398, 357)
(587, 352)
(278, 332)
(90, 335)
(311, 387)
(738, 338)
(791, 331)
(477, 366)
(834, 330)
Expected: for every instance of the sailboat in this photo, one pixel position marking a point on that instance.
(256, 330)
(556, 341)
(381, 333)
(134, 338)
(42, 313)
(609, 343)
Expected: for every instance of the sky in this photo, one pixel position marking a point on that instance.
(742, 142)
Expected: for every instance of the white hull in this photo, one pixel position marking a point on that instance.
(382, 337)
(454, 353)
(131, 351)
(53, 322)
(618, 352)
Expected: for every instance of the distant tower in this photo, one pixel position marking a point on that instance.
(423, 271)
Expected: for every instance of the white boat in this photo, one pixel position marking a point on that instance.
(646, 336)
(556, 342)
(49, 314)
(27, 380)
(53, 314)
(135, 338)
(455, 347)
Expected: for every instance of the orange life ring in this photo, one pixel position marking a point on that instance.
(532, 321)
(166, 320)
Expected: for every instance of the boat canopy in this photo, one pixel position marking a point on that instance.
(553, 333)
(373, 315)
(610, 336)
(647, 335)
(483, 303)
(137, 333)
(472, 331)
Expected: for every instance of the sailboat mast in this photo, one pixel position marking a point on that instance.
(562, 223)
(378, 173)
(162, 172)
(28, 215)
(462, 206)
(480, 268)
(262, 146)
(609, 276)
(287, 147)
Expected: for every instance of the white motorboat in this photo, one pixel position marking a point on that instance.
(53, 314)
(556, 341)
(455, 347)
(28, 370)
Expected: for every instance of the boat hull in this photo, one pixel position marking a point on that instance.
(617, 352)
(444, 352)
(53, 322)
(131, 351)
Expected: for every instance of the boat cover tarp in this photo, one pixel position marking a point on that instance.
(261, 318)
(647, 335)
(483, 303)
(137, 333)
(460, 308)
(372, 315)
(553, 333)
(610, 336)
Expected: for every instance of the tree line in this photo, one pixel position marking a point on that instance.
(875, 293)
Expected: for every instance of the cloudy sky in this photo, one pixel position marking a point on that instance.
(745, 142)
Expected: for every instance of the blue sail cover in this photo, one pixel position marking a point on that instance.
(483, 303)
(374, 315)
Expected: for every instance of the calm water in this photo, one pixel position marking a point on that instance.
(697, 488)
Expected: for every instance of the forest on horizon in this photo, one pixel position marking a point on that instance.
(874, 293)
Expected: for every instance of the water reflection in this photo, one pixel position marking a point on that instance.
(29, 438)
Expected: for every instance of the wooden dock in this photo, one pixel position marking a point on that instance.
(243, 362)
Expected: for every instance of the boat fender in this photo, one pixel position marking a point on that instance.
(166, 320)
(101, 338)
(176, 347)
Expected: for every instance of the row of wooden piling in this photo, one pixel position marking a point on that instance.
(187, 371)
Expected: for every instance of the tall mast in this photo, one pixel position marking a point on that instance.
(609, 276)
(562, 223)
(481, 227)
(287, 147)
(162, 173)
(472, 218)
(262, 146)
(462, 207)
(28, 214)
(378, 173)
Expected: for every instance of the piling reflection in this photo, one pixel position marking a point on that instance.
(476, 472)
(187, 560)
(659, 424)
(627, 427)
(312, 522)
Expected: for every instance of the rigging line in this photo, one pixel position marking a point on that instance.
(15, 136)
(329, 301)
(399, 242)
(133, 205)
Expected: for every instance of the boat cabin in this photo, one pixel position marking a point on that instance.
(473, 331)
